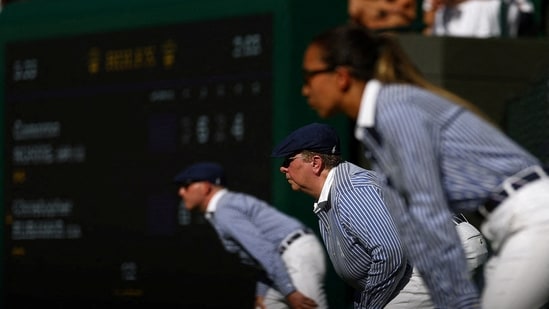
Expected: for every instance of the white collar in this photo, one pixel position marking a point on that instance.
(367, 110)
(212, 205)
(325, 191)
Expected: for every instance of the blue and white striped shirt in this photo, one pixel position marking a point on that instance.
(254, 230)
(360, 236)
(434, 158)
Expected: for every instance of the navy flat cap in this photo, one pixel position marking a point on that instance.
(315, 137)
(202, 171)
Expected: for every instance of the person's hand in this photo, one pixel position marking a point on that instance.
(297, 300)
(259, 302)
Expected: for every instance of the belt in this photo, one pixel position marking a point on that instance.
(512, 184)
(290, 239)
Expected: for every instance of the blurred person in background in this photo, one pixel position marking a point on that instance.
(479, 18)
(289, 254)
(383, 14)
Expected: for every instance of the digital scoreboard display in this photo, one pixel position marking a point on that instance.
(98, 124)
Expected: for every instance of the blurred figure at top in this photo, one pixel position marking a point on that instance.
(383, 14)
(479, 18)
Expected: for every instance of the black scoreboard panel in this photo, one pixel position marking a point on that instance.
(97, 127)
(100, 110)
(103, 122)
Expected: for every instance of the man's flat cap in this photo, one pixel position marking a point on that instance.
(202, 171)
(315, 137)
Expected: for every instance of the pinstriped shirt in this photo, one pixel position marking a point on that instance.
(434, 157)
(254, 230)
(360, 236)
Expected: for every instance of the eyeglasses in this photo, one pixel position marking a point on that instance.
(289, 160)
(308, 74)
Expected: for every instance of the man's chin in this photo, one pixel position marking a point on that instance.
(189, 208)
(294, 186)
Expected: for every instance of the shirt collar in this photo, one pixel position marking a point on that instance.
(367, 110)
(320, 204)
(212, 205)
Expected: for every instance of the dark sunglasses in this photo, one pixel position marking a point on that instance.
(288, 161)
(308, 74)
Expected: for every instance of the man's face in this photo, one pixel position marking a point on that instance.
(193, 195)
(298, 173)
(288, 163)
(320, 83)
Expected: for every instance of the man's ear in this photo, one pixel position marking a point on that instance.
(318, 164)
(343, 78)
(205, 187)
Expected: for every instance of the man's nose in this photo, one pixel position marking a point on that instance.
(305, 90)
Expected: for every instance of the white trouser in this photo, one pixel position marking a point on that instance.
(416, 295)
(306, 263)
(517, 274)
